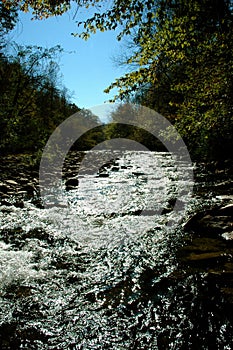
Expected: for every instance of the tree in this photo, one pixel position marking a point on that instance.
(8, 19)
(32, 103)
(131, 121)
(196, 66)
(182, 59)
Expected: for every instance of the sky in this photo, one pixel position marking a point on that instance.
(87, 67)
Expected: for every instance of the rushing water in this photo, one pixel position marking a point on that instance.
(103, 274)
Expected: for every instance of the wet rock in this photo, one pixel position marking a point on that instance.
(228, 293)
(145, 212)
(4, 195)
(9, 339)
(228, 197)
(215, 224)
(22, 193)
(73, 182)
(18, 291)
(103, 175)
(137, 173)
(70, 188)
(4, 188)
(12, 182)
(204, 256)
(224, 185)
(30, 189)
(19, 204)
(228, 236)
(18, 237)
(115, 168)
(6, 203)
(11, 236)
(38, 203)
(71, 174)
(205, 251)
(23, 181)
(227, 210)
(214, 221)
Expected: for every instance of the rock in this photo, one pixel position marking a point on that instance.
(4, 195)
(228, 236)
(29, 188)
(225, 197)
(227, 210)
(71, 174)
(115, 168)
(137, 173)
(73, 182)
(213, 221)
(215, 224)
(19, 204)
(103, 175)
(23, 180)
(4, 188)
(6, 203)
(12, 182)
(21, 193)
(70, 188)
(204, 256)
(37, 202)
(224, 185)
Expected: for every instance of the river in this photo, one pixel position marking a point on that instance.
(104, 271)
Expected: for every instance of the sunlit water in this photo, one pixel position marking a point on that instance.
(101, 274)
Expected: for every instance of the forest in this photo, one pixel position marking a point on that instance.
(179, 61)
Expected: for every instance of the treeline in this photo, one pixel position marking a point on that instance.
(32, 99)
(180, 62)
(182, 67)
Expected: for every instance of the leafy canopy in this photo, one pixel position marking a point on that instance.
(180, 59)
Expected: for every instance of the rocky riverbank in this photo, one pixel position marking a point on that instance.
(207, 255)
(19, 179)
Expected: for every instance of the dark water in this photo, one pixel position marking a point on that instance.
(101, 275)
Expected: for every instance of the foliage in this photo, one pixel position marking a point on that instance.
(41, 8)
(8, 19)
(131, 121)
(193, 74)
(31, 103)
(88, 126)
(181, 59)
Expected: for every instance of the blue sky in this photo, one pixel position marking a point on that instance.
(89, 68)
